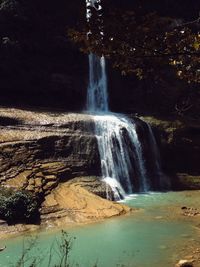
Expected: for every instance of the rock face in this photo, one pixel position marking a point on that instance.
(71, 202)
(38, 150)
(179, 143)
(56, 157)
(95, 186)
(41, 164)
(43, 151)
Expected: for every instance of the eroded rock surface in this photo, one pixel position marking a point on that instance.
(71, 202)
(56, 157)
(45, 149)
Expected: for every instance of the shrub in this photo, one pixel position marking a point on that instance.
(18, 206)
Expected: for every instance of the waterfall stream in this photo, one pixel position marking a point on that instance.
(121, 153)
(97, 95)
(123, 162)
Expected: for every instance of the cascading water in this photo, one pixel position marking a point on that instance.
(121, 154)
(123, 163)
(97, 96)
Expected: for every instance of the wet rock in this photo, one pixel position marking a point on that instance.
(184, 263)
(190, 211)
(179, 143)
(188, 181)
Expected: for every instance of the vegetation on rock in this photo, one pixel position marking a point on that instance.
(18, 206)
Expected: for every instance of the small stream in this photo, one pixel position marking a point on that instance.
(153, 236)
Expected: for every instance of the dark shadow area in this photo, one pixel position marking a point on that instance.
(6, 121)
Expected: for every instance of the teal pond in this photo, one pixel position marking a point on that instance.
(153, 236)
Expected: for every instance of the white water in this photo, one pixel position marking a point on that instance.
(96, 4)
(97, 96)
(120, 153)
(122, 159)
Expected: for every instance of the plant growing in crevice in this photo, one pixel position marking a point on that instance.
(18, 206)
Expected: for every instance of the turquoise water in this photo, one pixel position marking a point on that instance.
(150, 237)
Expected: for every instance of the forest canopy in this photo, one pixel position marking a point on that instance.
(155, 46)
(143, 44)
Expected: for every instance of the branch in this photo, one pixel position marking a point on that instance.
(167, 55)
(183, 109)
(189, 23)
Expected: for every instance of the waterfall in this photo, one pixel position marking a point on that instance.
(123, 163)
(120, 153)
(97, 98)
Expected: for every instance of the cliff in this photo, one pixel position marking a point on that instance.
(179, 143)
(54, 156)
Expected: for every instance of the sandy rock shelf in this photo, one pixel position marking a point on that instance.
(56, 156)
(73, 203)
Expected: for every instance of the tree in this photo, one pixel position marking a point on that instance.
(145, 44)
(158, 50)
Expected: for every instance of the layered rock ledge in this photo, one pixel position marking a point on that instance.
(55, 156)
(71, 202)
(41, 150)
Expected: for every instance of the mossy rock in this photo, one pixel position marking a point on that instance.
(188, 182)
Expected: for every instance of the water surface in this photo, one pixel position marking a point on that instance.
(152, 236)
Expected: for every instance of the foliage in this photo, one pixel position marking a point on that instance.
(34, 48)
(145, 44)
(28, 246)
(64, 248)
(9, 6)
(61, 248)
(18, 206)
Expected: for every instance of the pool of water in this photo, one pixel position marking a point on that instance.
(152, 236)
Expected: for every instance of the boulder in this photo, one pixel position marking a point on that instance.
(184, 263)
(70, 202)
